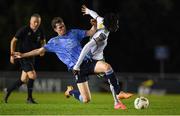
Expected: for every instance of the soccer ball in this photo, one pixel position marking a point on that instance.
(141, 103)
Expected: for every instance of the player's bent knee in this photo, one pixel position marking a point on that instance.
(33, 77)
(107, 67)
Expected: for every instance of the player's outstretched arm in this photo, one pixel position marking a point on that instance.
(93, 14)
(29, 54)
(87, 11)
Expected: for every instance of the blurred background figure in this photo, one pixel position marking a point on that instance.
(145, 87)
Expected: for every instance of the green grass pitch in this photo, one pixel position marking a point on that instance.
(101, 104)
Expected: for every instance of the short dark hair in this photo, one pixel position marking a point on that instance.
(36, 15)
(55, 21)
(111, 22)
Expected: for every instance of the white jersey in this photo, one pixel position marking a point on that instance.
(97, 43)
(100, 38)
(95, 47)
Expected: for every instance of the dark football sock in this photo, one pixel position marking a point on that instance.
(30, 88)
(113, 80)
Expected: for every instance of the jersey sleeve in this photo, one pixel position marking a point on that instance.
(50, 46)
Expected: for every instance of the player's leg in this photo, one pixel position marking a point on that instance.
(103, 67)
(82, 94)
(28, 67)
(32, 76)
(84, 91)
(14, 86)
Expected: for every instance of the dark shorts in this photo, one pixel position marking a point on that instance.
(86, 69)
(27, 64)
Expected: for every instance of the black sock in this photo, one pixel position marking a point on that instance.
(16, 85)
(113, 80)
(30, 88)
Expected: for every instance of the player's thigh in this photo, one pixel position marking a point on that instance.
(84, 90)
(24, 76)
(102, 67)
(32, 74)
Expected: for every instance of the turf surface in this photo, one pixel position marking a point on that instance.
(101, 104)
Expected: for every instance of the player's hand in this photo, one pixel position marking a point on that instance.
(76, 72)
(11, 59)
(84, 10)
(17, 55)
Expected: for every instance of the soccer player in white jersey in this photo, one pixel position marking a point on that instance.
(95, 47)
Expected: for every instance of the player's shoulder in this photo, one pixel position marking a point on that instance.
(23, 28)
(53, 39)
(22, 31)
(70, 31)
(75, 30)
(56, 37)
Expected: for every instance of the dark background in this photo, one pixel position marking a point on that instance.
(144, 25)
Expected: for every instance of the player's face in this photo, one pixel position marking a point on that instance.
(60, 28)
(35, 23)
